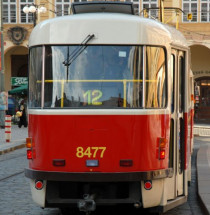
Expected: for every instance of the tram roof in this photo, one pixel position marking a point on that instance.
(108, 28)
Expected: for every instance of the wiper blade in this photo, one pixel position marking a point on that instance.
(78, 50)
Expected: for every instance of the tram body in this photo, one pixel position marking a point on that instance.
(110, 113)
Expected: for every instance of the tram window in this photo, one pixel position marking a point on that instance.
(181, 84)
(35, 77)
(155, 94)
(172, 81)
(97, 77)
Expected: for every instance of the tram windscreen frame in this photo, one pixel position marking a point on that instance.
(101, 76)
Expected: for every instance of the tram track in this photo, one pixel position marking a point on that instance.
(12, 175)
(18, 156)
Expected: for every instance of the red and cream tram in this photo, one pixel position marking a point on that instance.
(110, 110)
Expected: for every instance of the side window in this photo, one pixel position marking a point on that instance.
(172, 81)
(35, 77)
(155, 79)
(181, 83)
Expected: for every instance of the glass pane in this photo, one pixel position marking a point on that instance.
(23, 15)
(209, 12)
(66, 9)
(98, 77)
(30, 17)
(5, 14)
(186, 8)
(181, 84)
(154, 13)
(172, 81)
(13, 13)
(204, 12)
(35, 77)
(59, 10)
(155, 95)
(194, 11)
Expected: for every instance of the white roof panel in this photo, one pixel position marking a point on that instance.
(108, 28)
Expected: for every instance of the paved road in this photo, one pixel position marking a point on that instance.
(16, 198)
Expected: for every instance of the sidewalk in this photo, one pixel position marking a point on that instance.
(203, 173)
(201, 129)
(18, 139)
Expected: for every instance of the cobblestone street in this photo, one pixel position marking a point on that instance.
(15, 191)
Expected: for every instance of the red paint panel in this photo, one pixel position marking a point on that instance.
(122, 137)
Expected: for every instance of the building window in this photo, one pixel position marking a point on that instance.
(26, 18)
(153, 13)
(135, 5)
(205, 7)
(190, 6)
(63, 6)
(9, 11)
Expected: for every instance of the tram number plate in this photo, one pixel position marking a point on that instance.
(90, 152)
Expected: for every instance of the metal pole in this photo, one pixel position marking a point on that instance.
(161, 15)
(2, 88)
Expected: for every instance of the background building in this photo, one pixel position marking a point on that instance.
(192, 17)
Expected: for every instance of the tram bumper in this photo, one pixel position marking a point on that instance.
(64, 189)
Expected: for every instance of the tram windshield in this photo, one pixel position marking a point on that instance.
(97, 77)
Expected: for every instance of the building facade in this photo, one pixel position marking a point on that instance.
(191, 17)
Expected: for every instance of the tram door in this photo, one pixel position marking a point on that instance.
(180, 122)
(177, 123)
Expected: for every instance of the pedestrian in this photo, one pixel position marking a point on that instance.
(23, 118)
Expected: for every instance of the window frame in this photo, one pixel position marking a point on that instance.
(207, 10)
(9, 18)
(29, 16)
(150, 4)
(194, 14)
(143, 106)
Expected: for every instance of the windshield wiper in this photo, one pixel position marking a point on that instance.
(69, 60)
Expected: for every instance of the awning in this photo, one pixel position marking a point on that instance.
(20, 90)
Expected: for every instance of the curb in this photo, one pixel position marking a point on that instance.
(201, 130)
(12, 148)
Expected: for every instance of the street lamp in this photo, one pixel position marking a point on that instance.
(34, 9)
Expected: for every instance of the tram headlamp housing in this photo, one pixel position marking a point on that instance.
(161, 152)
(29, 148)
